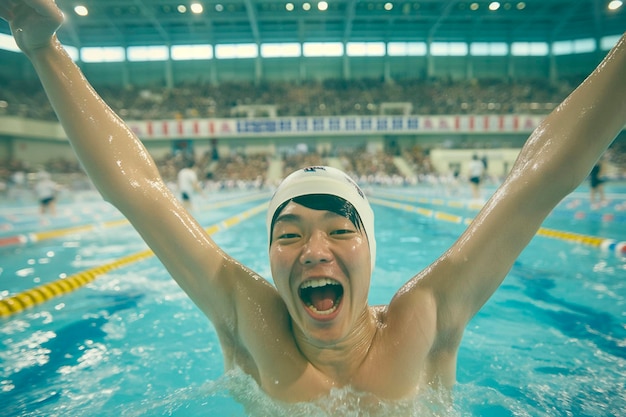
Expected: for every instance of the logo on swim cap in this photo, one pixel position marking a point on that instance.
(314, 169)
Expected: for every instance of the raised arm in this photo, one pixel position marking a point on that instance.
(119, 165)
(556, 158)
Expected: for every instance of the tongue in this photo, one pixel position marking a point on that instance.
(323, 299)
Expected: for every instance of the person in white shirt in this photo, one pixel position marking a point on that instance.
(188, 184)
(46, 191)
(476, 171)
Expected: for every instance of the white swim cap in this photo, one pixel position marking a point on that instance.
(325, 180)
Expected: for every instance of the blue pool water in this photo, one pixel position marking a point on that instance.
(550, 342)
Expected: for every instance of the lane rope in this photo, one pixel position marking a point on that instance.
(618, 214)
(40, 294)
(609, 245)
(22, 239)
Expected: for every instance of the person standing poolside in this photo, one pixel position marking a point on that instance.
(314, 330)
(596, 185)
(46, 191)
(476, 170)
(188, 184)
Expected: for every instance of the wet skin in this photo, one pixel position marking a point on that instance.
(311, 248)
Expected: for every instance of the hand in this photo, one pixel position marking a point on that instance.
(33, 22)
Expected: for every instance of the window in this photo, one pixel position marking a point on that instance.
(313, 49)
(147, 53)
(489, 49)
(280, 50)
(111, 54)
(236, 51)
(529, 48)
(579, 46)
(365, 49)
(448, 49)
(406, 49)
(190, 52)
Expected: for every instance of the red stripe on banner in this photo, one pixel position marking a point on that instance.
(530, 125)
(180, 127)
(486, 122)
(457, 123)
(501, 122)
(196, 127)
(471, 122)
(165, 129)
(149, 128)
(211, 127)
(515, 123)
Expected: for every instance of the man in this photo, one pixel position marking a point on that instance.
(476, 170)
(188, 184)
(596, 186)
(46, 191)
(315, 331)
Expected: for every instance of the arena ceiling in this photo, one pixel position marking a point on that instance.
(157, 22)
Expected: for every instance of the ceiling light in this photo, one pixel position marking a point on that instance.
(196, 8)
(81, 10)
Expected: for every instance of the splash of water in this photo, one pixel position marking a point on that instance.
(344, 402)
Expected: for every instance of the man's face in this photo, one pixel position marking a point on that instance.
(320, 264)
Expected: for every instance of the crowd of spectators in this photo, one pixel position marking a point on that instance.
(309, 98)
(241, 171)
(331, 97)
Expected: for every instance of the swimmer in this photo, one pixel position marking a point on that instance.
(314, 330)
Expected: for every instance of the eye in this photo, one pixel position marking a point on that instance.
(338, 232)
(287, 236)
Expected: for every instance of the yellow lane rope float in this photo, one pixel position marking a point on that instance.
(472, 205)
(605, 244)
(43, 293)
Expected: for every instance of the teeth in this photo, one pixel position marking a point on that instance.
(325, 312)
(315, 283)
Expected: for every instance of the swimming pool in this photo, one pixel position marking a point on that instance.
(550, 342)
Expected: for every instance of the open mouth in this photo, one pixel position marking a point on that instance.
(322, 296)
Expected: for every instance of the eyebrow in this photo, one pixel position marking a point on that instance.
(294, 218)
(288, 217)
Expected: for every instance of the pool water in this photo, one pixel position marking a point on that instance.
(550, 342)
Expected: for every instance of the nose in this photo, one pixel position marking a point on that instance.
(316, 250)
